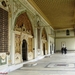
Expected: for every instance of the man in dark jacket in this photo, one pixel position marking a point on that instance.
(65, 50)
(62, 50)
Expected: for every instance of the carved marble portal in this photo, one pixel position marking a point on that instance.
(44, 43)
(23, 33)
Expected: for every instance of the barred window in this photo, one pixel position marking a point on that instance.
(3, 30)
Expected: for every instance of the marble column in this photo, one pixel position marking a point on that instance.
(12, 51)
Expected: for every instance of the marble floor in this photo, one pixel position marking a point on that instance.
(56, 64)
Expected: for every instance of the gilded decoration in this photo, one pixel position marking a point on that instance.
(17, 43)
(29, 44)
(23, 24)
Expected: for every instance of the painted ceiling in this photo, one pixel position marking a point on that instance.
(60, 14)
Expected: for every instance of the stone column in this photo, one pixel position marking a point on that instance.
(12, 51)
(48, 45)
(35, 43)
(34, 48)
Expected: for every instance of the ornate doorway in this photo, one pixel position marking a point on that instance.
(24, 50)
(44, 48)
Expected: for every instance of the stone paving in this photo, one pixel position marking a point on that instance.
(56, 64)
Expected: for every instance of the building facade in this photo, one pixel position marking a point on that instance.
(25, 35)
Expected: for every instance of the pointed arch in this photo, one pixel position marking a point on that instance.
(22, 21)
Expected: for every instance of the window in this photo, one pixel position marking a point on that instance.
(3, 30)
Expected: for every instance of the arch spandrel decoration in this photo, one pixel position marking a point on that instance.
(23, 24)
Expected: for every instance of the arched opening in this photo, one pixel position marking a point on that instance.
(44, 48)
(24, 29)
(50, 49)
(24, 50)
(44, 42)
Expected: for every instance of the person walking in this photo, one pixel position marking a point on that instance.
(63, 49)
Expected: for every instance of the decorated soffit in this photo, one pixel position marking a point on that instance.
(60, 14)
